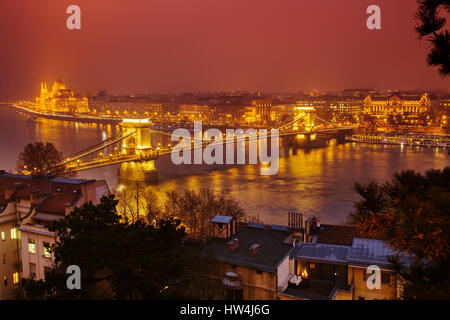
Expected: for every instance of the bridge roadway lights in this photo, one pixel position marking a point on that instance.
(143, 171)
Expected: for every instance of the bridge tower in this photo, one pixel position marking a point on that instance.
(139, 144)
(307, 113)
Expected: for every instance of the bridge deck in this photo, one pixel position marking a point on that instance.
(118, 159)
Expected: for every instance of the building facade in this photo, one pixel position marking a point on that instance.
(316, 262)
(411, 108)
(243, 261)
(27, 205)
(60, 99)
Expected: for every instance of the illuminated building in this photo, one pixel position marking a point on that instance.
(280, 112)
(263, 109)
(410, 107)
(334, 107)
(194, 112)
(250, 115)
(28, 205)
(444, 109)
(60, 99)
(259, 112)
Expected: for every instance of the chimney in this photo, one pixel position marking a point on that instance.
(233, 244)
(297, 236)
(311, 224)
(253, 250)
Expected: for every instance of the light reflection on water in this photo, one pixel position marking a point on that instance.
(316, 181)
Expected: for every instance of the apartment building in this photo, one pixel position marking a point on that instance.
(28, 204)
(243, 261)
(315, 262)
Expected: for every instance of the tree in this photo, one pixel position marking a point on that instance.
(412, 213)
(193, 208)
(40, 158)
(431, 26)
(118, 260)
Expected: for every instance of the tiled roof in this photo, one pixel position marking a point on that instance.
(64, 191)
(60, 200)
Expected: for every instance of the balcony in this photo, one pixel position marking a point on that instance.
(316, 290)
(232, 280)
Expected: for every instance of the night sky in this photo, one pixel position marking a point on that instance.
(142, 46)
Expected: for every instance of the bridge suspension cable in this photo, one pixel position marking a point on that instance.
(281, 127)
(92, 149)
(291, 122)
(110, 141)
(316, 117)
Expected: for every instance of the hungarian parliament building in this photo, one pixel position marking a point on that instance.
(60, 99)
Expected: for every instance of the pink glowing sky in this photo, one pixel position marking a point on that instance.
(140, 46)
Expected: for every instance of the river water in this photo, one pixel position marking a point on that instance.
(315, 181)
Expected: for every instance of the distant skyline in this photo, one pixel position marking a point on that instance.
(175, 46)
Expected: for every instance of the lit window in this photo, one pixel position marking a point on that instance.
(47, 252)
(3, 236)
(13, 233)
(15, 277)
(31, 246)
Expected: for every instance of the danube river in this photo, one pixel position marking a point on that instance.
(316, 181)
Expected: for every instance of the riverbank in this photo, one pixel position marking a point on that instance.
(422, 140)
(66, 117)
(314, 180)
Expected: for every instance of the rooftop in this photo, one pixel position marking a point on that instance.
(58, 201)
(58, 192)
(317, 290)
(402, 96)
(272, 250)
(362, 252)
(369, 251)
(321, 252)
(221, 219)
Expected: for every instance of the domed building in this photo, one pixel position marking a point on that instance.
(60, 99)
